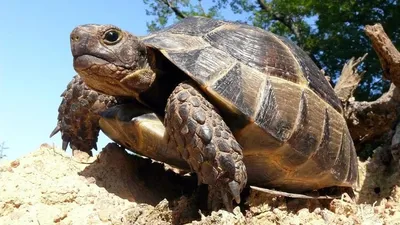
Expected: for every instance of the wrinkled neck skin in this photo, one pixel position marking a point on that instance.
(143, 78)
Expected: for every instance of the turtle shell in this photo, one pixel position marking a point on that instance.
(278, 104)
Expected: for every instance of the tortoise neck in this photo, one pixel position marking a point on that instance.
(168, 76)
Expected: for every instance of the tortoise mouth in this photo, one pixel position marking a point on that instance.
(85, 62)
(101, 75)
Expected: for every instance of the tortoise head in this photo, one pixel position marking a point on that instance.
(110, 60)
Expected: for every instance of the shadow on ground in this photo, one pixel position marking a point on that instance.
(142, 180)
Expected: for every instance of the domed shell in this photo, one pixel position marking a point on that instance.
(278, 104)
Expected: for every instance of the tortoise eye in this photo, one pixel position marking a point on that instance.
(112, 37)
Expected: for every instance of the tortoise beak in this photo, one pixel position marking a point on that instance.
(83, 40)
(79, 40)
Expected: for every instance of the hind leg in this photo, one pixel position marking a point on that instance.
(199, 133)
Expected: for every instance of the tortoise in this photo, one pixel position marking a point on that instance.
(236, 104)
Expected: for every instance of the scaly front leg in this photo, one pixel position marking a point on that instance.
(199, 133)
(78, 116)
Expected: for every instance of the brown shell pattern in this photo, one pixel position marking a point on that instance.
(290, 112)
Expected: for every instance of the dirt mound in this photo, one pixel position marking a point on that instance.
(50, 187)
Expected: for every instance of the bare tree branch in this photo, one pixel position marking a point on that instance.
(367, 120)
(289, 23)
(284, 19)
(388, 55)
(175, 9)
(349, 79)
(201, 8)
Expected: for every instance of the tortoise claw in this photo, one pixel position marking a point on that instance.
(65, 144)
(55, 131)
(227, 201)
(234, 188)
(223, 194)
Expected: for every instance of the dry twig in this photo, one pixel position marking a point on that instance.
(367, 120)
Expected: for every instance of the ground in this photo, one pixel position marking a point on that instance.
(48, 186)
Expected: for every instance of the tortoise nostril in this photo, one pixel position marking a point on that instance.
(75, 38)
(76, 34)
